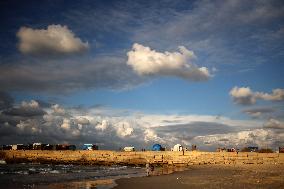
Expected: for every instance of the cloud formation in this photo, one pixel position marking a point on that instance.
(276, 95)
(262, 138)
(146, 61)
(215, 37)
(245, 96)
(259, 112)
(6, 100)
(54, 40)
(68, 74)
(103, 126)
(274, 124)
(28, 122)
(26, 109)
(124, 129)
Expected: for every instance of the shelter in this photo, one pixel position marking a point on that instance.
(129, 149)
(231, 150)
(6, 147)
(177, 148)
(253, 149)
(65, 147)
(14, 147)
(37, 146)
(90, 147)
(157, 147)
(48, 147)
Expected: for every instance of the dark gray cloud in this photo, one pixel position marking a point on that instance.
(26, 109)
(17, 113)
(6, 101)
(191, 130)
(24, 112)
(66, 75)
(274, 124)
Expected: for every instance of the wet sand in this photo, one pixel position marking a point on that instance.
(213, 177)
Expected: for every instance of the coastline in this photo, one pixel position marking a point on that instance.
(212, 177)
(44, 176)
(139, 158)
(205, 169)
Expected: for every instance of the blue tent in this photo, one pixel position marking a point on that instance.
(157, 147)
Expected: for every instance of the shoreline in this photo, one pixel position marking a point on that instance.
(44, 176)
(203, 166)
(139, 158)
(212, 177)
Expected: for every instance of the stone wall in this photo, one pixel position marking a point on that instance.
(140, 158)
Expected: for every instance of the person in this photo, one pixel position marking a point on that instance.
(147, 169)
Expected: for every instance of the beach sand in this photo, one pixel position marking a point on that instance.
(212, 177)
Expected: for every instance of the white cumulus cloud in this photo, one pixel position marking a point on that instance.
(124, 129)
(56, 39)
(151, 136)
(103, 125)
(66, 124)
(259, 137)
(32, 104)
(146, 61)
(82, 121)
(58, 109)
(276, 95)
(245, 96)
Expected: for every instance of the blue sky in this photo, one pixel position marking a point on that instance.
(163, 58)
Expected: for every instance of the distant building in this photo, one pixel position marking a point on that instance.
(65, 147)
(253, 149)
(90, 147)
(221, 150)
(48, 147)
(71, 147)
(231, 150)
(129, 149)
(6, 147)
(14, 147)
(37, 146)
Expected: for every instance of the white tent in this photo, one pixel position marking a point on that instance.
(129, 149)
(177, 147)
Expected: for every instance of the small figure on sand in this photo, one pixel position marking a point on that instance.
(147, 169)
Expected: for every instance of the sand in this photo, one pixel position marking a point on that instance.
(212, 177)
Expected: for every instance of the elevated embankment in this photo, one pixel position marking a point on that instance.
(103, 157)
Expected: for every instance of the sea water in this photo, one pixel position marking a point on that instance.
(47, 176)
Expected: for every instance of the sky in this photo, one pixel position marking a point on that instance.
(136, 73)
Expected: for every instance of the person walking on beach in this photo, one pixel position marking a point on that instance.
(147, 169)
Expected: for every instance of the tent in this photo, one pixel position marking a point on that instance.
(157, 147)
(177, 147)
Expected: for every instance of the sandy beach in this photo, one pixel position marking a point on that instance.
(213, 177)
